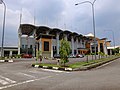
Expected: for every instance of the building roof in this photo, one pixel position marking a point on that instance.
(113, 47)
(89, 35)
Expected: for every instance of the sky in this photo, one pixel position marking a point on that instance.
(62, 14)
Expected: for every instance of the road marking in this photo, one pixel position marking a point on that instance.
(3, 82)
(26, 75)
(7, 79)
(34, 71)
(24, 82)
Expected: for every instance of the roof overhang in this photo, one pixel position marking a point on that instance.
(27, 29)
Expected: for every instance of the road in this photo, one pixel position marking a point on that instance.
(21, 76)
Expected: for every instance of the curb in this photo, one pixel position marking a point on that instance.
(84, 68)
(54, 68)
(10, 61)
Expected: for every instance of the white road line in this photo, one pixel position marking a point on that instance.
(7, 79)
(26, 75)
(24, 82)
(3, 82)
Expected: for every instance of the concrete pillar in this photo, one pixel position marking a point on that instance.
(47, 32)
(10, 54)
(105, 48)
(72, 39)
(58, 43)
(84, 43)
(90, 47)
(98, 47)
(65, 37)
(51, 48)
(119, 49)
(77, 44)
(40, 44)
(110, 51)
(80, 43)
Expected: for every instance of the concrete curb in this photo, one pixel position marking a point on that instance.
(54, 68)
(8, 60)
(84, 68)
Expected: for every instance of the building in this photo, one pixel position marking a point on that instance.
(111, 50)
(47, 40)
(9, 51)
(101, 44)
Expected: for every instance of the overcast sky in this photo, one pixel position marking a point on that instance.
(64, 15)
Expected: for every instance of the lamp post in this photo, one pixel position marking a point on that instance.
(113, 38)
(92, 4)
(1, 2)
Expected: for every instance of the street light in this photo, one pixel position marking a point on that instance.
(92, 4)
(1, 2)
(113, 38)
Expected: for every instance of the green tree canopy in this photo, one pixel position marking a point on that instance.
(64, 51)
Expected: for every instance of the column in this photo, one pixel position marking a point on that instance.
(47, 32)
(10, 53)
(72, 39)
(58, 43)
(90, 47)
(65, 37)
(84, 44)
(105, 48)
(51, 48)
(80, 43)
(110, 51)
(40, 44)
(119, 49)
(98, 47)
(77, 44)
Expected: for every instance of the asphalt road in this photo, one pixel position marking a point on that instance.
(21, 76)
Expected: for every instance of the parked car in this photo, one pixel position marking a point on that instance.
(71, 56)
(57, 56)
(26, 56)
(79, 56)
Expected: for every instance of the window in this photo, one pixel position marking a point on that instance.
(46, 46)
(30, 46)
(101, 47)
(26, 46)
(54, 48)
(22, 46)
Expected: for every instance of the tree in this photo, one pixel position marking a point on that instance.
(39, 56)
(64, 51)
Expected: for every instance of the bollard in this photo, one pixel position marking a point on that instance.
(58, 62)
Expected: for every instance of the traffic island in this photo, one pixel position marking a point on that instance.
(77, 66)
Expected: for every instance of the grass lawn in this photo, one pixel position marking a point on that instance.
(80, 64)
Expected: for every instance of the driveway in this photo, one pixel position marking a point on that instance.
(21, 76)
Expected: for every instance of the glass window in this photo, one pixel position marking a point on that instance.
(26, 46)
(22, 46)
(30, 46)
(46, 46)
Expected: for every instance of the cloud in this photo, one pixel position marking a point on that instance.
(63, 14)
